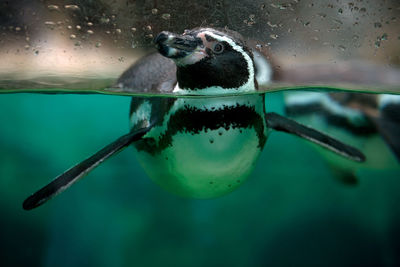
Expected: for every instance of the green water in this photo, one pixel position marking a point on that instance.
(291, 210)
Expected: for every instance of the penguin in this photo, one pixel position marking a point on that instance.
(368, 121)
(205, 143)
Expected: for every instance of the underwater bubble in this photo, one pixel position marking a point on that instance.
(322, 15)
(342, 47)
(78, 27)
(72, 36)
(340, 11)
(36, 52)
(90, 32)
(271, 25)
(17, 29)
(166, 16)
(69, 27)
(211, 140)
(78, 43)
(133, 29)
(90, 24)
(377, 25)
(384, 37)
(363, 10)
(148, 28)
(154, 11)
(98, 44)
(118, 31)
(27, 47)
(72, 7)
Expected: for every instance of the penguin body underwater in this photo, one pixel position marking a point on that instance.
(368, 121)
(201, 147)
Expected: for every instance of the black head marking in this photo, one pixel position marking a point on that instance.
(209, 58)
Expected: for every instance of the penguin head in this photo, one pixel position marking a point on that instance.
(209, 61)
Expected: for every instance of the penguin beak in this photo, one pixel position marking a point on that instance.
(175, 46)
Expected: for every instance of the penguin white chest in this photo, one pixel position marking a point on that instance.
(204, 147)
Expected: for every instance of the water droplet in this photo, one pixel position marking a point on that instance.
(154, 11)
(273, 36)
(166, 16)
(90, 32)
(50, 24)
(338, 21)
(69, 27)
(377, 25)
(90, 24)
(36, 52)
(78, 27)
(133, 29)
(104, 20)
(53, 8)
(71, 7)
(98, 44)
(342, 47)
(118, 31)
(72, 36)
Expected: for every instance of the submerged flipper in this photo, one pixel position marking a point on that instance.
(66, 179)
(388, 125)
(280, 123)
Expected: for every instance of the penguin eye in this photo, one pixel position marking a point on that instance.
(218, 48)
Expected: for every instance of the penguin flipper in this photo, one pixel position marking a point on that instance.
(282, 124)
(66, 179)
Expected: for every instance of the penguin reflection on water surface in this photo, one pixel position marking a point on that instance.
(200, 147)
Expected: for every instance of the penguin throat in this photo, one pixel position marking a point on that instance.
(195, 80)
